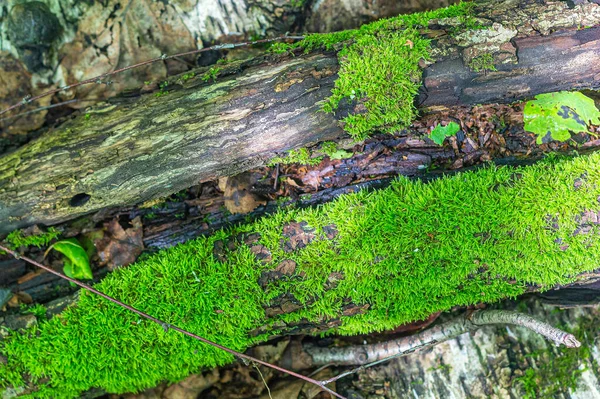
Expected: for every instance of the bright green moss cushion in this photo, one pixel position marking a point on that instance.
(406, 251)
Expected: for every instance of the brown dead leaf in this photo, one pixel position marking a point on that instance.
(192, 386)
(286, 267)
(285, 389)
(120, 247)
(298, 236)
(311, 391)
(313, 178)
(271, 353)
(291, 182)
(262, 253)
(237, 192)
(18, 298)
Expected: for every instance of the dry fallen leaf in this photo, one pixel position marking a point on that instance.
(120, 247)
(237, 194)
(284, 389)
(311, 391)
(18, 298)
(192, 386)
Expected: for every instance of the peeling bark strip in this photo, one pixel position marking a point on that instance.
(131, 150)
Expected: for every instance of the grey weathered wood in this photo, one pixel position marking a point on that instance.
(134, 149)
(485, 364)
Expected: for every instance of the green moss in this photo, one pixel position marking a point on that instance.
(162, 89)
(17, 239)
(379, 68)
(483, 63)
(301, 156)
(297, 3)
(38, 310)
(211, 74)
(187, 76)
(407, 251)
(558, 370)
(333, 152)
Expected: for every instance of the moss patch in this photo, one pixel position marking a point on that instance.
(366, 262)
(301, 156)
(558, 370)
(483, 63)
(379, 68)
(17, 239)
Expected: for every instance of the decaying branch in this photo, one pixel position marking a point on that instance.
(370, 355)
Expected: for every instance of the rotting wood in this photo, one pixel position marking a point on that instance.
(130, 150)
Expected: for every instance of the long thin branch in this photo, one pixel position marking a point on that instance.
(99, 78)
(370, 355)
(168, 326)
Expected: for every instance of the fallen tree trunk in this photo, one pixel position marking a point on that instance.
(365, 262)
(137, 148)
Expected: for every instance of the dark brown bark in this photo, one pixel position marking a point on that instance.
(134, 149)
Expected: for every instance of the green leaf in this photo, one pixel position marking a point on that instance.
(76, 262)
(439, 133)
(552, 116)
(340, 154)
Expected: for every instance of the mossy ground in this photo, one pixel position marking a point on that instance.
(379, 73)
(407, 251)
(17, 239)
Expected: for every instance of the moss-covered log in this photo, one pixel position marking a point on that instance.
(365, 262)
(136, 148)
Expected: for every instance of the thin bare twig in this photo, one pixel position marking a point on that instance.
(167, 326)
(99, 79)
(33, 111)
(371, 355)
(263, 380)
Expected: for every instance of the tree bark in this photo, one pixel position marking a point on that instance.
(491, 363)
(133, 149)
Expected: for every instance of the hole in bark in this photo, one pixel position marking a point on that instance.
(79, 199)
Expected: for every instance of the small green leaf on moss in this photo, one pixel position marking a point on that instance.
(76, 262)
(552, 116)
(439, 133)
(340, 154)
(333, 152)
(212, 73)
